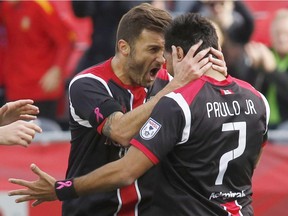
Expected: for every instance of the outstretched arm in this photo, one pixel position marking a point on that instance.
(18, 133)
(114, 175)
(18, 110)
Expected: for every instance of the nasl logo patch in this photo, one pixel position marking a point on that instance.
(149, 129)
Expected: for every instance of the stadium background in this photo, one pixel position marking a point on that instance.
(50, 151)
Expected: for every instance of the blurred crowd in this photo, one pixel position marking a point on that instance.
(37, 44)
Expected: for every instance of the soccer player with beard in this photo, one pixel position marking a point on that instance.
(106, 108)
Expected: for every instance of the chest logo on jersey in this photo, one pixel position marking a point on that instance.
(150, 129)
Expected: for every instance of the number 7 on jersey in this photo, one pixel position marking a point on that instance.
(235, 153)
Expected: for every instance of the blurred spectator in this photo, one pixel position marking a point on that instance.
(182, 6)
(175, 7)
(39, 44)
(237, 24)
(273, 63)
(105, 16)
(233, 17)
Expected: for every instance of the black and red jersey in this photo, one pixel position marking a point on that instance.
(94, 94)
(206, 137)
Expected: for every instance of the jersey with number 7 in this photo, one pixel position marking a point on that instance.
(206, 138)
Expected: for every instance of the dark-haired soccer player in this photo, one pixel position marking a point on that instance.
(117, 174)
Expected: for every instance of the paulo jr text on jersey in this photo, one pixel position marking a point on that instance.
(223, 109)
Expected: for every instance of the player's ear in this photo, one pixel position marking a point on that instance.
(180, 53)
(123, 47)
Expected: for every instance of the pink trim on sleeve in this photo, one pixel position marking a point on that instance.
(145, 150)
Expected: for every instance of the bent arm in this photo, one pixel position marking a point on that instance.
(122, 127)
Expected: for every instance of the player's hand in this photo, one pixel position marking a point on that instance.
(18, 110)
(18, 133)
(41, 190)
(190, 67)
(219, 63)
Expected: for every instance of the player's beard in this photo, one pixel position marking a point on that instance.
(136, 71)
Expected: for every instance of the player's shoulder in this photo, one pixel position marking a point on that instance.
(100, 69)
(245, 85)
(101, 72)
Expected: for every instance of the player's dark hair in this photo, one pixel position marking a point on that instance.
(143, 16)
(187, 30)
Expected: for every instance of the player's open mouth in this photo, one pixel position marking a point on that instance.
(154, 71)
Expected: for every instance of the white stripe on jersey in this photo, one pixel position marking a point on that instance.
(187, 114)
(131, 100)
(139, 197)
(76, 118)
(120, 199)
(267, 110)
(119, 202)
(170, 77)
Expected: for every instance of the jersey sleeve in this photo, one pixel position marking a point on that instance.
(162, 131)
(91, 101)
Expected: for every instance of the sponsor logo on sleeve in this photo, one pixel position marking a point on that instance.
(149, 129)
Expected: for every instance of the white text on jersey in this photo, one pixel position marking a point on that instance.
(223, 109)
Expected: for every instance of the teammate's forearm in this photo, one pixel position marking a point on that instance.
(117, 174)
(106, 178)
(123, 129)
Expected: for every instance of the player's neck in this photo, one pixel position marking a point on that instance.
(215, 74)
(119, 70)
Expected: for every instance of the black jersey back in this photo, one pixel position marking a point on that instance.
(94, 95)
(207, 136)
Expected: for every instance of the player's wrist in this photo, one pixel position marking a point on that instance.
(65, 189)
